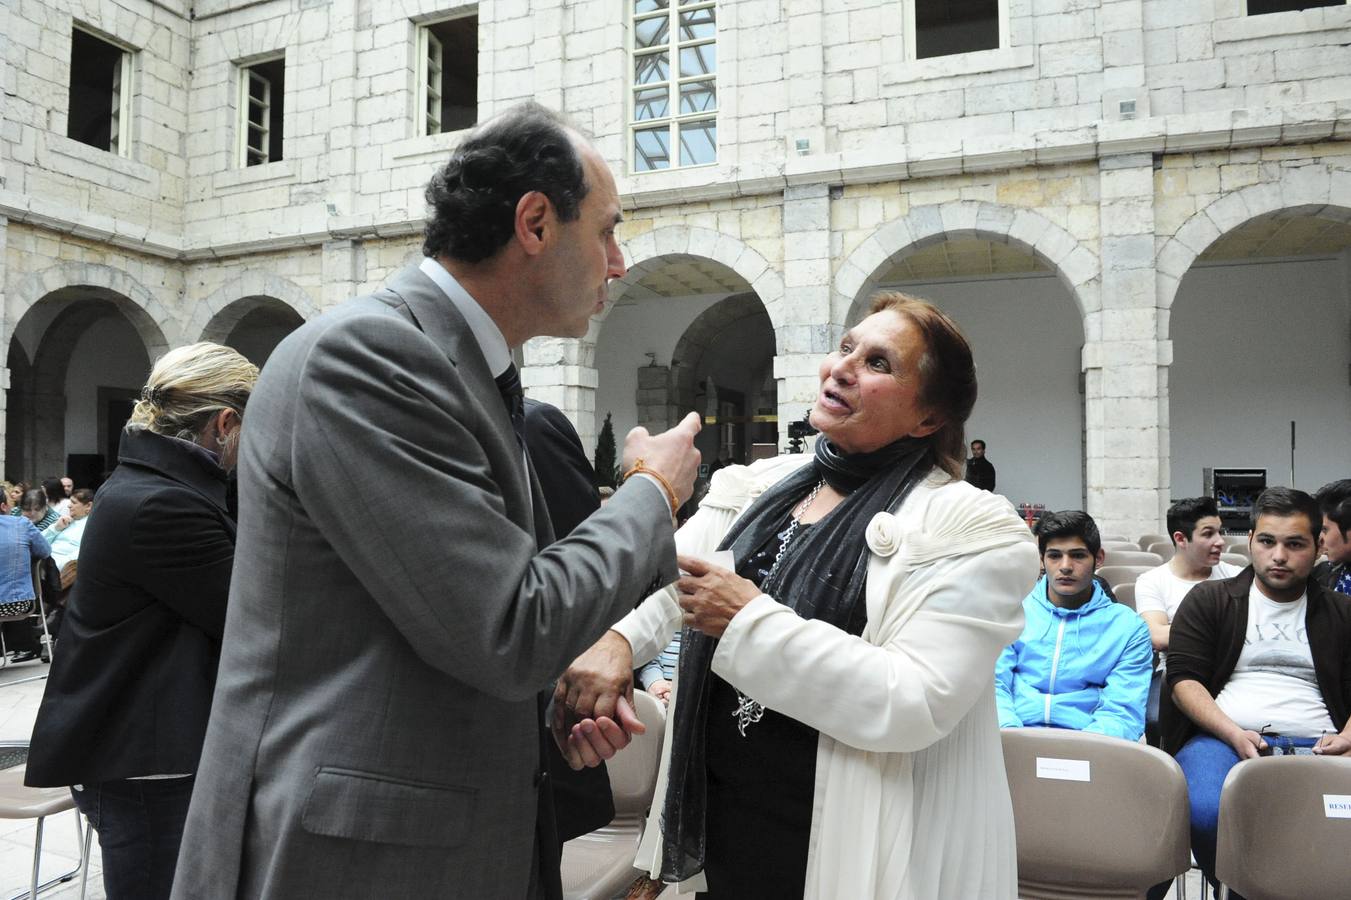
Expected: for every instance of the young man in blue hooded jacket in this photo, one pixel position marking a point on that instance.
(1083, 661)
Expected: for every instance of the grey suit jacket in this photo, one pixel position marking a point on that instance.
(374, 730)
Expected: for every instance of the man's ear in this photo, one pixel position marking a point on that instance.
(1099, 559)
(533, 213)
(1179, 538)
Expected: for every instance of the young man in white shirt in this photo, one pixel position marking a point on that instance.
(1257, 663)
(1194, 526)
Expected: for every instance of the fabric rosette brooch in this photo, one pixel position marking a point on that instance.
(882, 534)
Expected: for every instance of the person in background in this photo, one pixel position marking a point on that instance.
(21, 545)
(37, 510)
(1257, 664)
(127, 700)
(14, 492)
(1082, 661)
(1194, 526)
(66, 532)
(658, 675)
(1334, 501)
(56, 495)
(979, 470)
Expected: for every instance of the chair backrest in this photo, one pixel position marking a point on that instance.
(633, 770)
(1125, 593)
(1281, 820)
(1164, 549)
(1120, 545)
(1236, 559)
(1094, 816)
(1236, 540)
(1114, 538)
(1131, 558)
(1147, 539)
(1119, 575)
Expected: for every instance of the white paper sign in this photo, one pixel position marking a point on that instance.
(1062, 769)
(1337, 806)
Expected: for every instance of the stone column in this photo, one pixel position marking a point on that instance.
(804, 332)
(343, 268)
(1125, 362)
(562, 371)
(6, 334)
(655, 409)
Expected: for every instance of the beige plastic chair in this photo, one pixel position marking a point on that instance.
(1128, 546)
(1239, 550)
(1236, 559)
(1236, 540)
(599, 865)
(1279, 835)
(1115, 834)
(18, 801)
(1119, 575)
(1147, 539)
(39, 610)
(1131, 558)
(1125, 594)
(1114, 538)
(1164, 550)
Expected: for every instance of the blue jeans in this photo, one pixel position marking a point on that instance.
(1205, 761)
(140, 825)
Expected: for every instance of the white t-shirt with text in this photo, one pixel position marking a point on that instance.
(1273, 686)
(1159, 590)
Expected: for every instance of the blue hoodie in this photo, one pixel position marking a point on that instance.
(1086, 669)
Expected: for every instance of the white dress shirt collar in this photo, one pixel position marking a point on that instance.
(486, 333)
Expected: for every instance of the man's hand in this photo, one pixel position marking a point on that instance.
(1247, 744)
(670, 454)
(63, 522)
(711, 595)
(661, 689)
(592, 741)
(1332, 745)
(590, 690)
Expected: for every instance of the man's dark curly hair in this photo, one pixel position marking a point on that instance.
(472, 199)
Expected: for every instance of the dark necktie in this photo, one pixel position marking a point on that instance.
(509, 385)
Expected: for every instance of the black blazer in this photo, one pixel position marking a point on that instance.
(1206, 638)
(582, 800)
(131, 680)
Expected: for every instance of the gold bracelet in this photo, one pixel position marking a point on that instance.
(639, 467)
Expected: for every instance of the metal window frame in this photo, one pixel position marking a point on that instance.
(1247, 13)
(674, 119)
(911, 51)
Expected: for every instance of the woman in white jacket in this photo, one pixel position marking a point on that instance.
(832, 732)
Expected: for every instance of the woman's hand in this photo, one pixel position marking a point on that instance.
(711, 595)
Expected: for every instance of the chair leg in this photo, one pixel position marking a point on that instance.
(1224, 892)
(37, 858)
(46, 639)
(1181, 884)
(84, 856)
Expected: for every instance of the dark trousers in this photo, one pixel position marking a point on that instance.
(140, 825)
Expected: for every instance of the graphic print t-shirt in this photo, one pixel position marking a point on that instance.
(1274, 686)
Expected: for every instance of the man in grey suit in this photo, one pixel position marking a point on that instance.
(376, 727)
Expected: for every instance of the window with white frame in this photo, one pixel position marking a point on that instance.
(448, 74)
(100, 93)
(262, 101)
(1262, 7)
(950, 27)
(674, 96)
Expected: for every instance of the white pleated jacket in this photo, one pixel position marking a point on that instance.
(911, 800)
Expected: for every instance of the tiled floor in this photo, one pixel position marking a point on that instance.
(21, 689)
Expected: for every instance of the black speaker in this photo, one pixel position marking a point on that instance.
(85, 469)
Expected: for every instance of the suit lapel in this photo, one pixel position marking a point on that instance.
(437, 317)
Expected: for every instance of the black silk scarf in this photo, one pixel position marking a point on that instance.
(823, 576)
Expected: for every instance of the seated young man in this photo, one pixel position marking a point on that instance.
(1334, 501)
(1082, 661)
(1194, 526)
(1257, 663)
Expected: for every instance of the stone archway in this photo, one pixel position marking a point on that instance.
(562, 371)
(216, 316)
(91, 351)
(253, 326)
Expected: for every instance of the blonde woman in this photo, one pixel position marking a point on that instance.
(126, 704)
